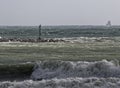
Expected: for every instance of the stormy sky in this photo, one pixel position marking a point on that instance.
(59, 12)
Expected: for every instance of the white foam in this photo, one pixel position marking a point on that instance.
(69, 74)
(66, 69)
(65, 83)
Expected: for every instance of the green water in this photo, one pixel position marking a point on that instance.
(59, 31)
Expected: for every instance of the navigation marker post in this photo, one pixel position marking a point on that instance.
(40, 32)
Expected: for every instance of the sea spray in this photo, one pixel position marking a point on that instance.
(66, 69)
(70, 74)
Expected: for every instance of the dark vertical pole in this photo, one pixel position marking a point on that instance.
(39, 32)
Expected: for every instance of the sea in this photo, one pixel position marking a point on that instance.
(64, 74)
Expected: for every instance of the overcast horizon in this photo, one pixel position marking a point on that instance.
(59, 12)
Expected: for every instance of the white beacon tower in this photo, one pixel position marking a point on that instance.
(108, 24)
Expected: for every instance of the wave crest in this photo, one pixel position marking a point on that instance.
(65, 69)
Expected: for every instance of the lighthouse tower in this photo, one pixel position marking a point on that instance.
(108, 24)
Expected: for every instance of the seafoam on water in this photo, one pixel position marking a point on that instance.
(66, 69)
(65, 83)
(70, 74)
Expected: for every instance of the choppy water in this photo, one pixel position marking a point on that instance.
(59, 31)
(65, 83)
(65, 69)
(69, 74)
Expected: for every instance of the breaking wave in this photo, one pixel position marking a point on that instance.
(70, 74)
(66, 69)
